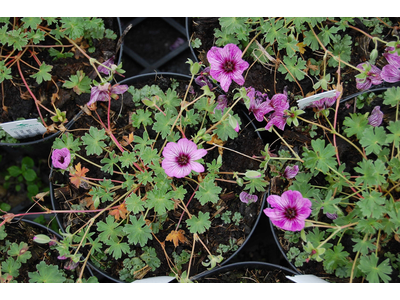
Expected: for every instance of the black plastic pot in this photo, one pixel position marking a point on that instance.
(254, 265)
(49, 231)
(135, 80)
(52, 136)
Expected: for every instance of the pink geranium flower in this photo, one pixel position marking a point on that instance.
(226, 64)
(288, 211)
(390, 73)
(376, 117)
(61, 158)
(370, 76)
(103, 67)
(180, 158)
(279, 103)
(325, 103)
(222, 103)
(291, 172)
(104, 92)
(247, 198)
(392, 58)
(260, 104)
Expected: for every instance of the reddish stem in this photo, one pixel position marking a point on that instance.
(30, 92)
(180, 219)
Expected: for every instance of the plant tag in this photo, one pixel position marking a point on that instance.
(306, 279)
(24, 128)
(306, 101)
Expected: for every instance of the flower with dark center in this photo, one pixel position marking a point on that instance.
(180, 158)
(61, 158)
(226, 64)
(289, 210)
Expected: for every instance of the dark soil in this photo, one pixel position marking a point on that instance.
(219, 233)
(21, 231)
(249, 274)
(18, 103)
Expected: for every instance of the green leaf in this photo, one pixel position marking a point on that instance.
(80, 83)
(273, 30)
(208, 191)
(373, 138)
(117, 248)
(199, 224)
(341, 48)
(21, 251)
(364, 246)
(335, 258)
(356, 124)
(31, 22)
(321, 158)
(295, 65)
(141, 117)
(149, 256)
(94, 141)
(43, 74)
(109, 162)
(392, 96)
(149, 155)
(5, 73)
(163, 123)
(134, 203)
(46, 274)
(372, 172)
(74, 27)
(109, 230)
(67, 141)
(394, 136)
(232, 24)
(370, 204)
(159, 200)
(138, 231)
(289, 43)
(375, 273)
(11, 267)
(327, 34)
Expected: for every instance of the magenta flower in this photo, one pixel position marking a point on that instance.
(392, 58)
(61, 158)
(108, 63)
(390, 73)
(222, 103)
(202, 79)
(278, 120)
(375, 119)
(332, 216)
(288, 211)
(103, 92)
(70, 265)
(247, 198)
(226, 64)
(370, 76)
(324, 103)
(291, 172)
(260, 105)
(180, 158)
(279, 103)
(61, 257)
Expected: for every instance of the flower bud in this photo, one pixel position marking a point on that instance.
(41, 239)
(252, 174)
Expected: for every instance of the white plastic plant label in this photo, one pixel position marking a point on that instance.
(24, 128)
(306, 101)
(306, 279)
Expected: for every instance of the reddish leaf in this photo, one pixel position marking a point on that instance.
(119, 212)
(76, 178)
(176, 237)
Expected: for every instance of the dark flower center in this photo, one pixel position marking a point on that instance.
(290, 213)
(182, 159)
(228, 66)
(61, 159)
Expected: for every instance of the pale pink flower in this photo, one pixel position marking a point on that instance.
(372, 76)
(247, 198)
(180, 158)
(260, 104)
(289, 210)
(226, 64)
(376, 117)
(390, 73)
(291, 172)
(61, 158)
(104, 92)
